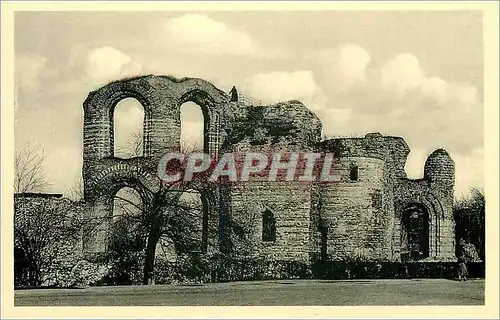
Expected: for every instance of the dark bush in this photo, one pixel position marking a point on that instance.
(392, 270)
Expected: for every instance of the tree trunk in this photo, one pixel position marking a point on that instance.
(153, 238)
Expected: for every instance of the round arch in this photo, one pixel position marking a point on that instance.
(212, 102)
(435, 212)
(128, 129)
(99, 110)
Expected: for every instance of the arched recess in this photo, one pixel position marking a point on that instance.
(100, 237)
(194, 206)
(415, 232)
(99, 122)
(195, 123)
(128, 129)
(205, 102)
(213, 104)
(118, 174)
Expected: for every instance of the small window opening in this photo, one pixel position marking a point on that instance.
(353, 173)
(268, 226)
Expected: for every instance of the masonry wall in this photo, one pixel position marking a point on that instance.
(290, 127)
(359, 226)
(435, 192)
(290, 203)
(362, 217)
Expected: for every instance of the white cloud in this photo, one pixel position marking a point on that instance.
(436, 88)
(402, 73)
(398, 98)
(107, 64)
(352, 63)
(63, 166)
(28, 70)
(335, 121)
(342, 67)
(282, 86)
(199, 32)
(465, 94)
(469, 171)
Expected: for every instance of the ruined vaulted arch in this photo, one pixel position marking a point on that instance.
(127, 129)
(190, 87)
(128, 201)
(212, 103)
(99, 108)
(109, 180)
(415, 222)
(114, 100)
(161, 98)
(114, 185)
(194, 127)
(427, 200)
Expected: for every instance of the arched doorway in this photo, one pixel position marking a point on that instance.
(414, 233)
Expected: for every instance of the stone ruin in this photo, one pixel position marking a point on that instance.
(374, 213)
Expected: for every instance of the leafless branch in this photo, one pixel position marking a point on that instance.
(29, 171)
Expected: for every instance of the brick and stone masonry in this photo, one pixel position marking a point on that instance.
(374, 213)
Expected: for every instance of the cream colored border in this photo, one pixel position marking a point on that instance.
(490, 310)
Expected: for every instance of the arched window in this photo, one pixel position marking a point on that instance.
(128, 129)
(268, 226)
(353, 173)
(192, 128)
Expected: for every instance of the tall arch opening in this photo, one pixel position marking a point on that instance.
(128, 236)
(193, 128)
(193, 219)
(415, 233)
(128, 129)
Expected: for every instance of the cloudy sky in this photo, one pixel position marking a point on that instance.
(418, 75)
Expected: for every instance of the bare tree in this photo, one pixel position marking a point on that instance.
(75, 192)
(162, 213)
(158, 213)
(29, 171)
(132, 148)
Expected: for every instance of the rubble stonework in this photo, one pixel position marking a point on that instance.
(368, 215)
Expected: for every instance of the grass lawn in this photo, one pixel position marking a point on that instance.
(267, 293)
